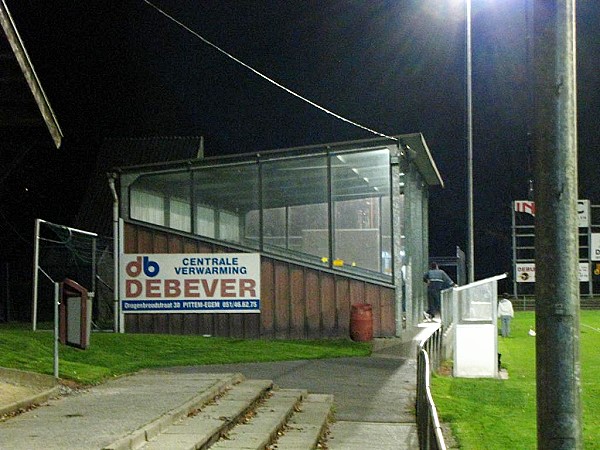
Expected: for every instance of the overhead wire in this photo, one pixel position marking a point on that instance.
(13, 228)
(265, 77)
(15, 163)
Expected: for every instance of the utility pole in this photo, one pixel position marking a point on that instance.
(556, 228)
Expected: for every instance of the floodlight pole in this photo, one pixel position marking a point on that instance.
(556, 227)
(469, 130)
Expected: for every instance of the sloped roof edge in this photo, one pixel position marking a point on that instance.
(422, 157)
(413, 143)
(26, 65)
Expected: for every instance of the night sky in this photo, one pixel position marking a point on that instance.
(119, 68)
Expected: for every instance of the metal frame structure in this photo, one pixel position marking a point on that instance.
(37, 268)
(523, 250)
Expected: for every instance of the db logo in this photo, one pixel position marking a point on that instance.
(150, 268)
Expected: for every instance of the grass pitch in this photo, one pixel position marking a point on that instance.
(501, 414)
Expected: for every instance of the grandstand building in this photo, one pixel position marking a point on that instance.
(329, 227)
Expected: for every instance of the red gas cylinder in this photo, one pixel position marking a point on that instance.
(361, 322)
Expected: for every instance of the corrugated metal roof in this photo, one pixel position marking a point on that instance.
(95, 213)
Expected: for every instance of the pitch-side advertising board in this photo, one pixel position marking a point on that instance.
(525, 272)
(190, 283)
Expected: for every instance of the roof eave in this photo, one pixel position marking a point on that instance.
(422, 158)
(26, 65)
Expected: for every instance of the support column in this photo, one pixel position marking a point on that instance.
(556, 232)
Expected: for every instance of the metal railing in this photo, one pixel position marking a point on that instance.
(447, 308)
(432, 350)
(429, 356)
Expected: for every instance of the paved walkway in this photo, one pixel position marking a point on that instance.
(96, 417)
(374, 396)
(374, 402)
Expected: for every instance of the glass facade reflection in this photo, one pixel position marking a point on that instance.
(221, 198)
(331, 209)
(295, 207)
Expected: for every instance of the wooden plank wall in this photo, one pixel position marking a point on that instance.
(296, 302)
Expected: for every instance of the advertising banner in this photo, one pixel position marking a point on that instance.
(584, 272)
(583, 213)
(190, 283)
(596, 272)
(583, 210)
(525, 272)
(595, 247)
(525, 206)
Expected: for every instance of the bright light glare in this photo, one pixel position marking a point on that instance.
(445, 10)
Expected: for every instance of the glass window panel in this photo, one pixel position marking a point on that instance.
(147, 207)
(252, 229)
(180, 217)
(274, 229)
(162, 199)
(295, 199)
(361, 192)
(476, 303)
(231, 191)
(229, 226)
(386, 235)
(205, 221)
(309, 230)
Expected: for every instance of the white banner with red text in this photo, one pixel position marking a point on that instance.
(583, 210)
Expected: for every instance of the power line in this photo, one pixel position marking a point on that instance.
(270, 80)
(14, 229)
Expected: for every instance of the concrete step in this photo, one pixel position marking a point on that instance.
(139, 437)
(306, 426)
(237, 414)
(263, 427)
(204, 426)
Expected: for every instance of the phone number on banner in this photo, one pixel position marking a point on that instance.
(192, 306)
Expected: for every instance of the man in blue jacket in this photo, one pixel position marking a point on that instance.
(437, 280)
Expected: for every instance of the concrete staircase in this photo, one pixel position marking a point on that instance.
(238, 414)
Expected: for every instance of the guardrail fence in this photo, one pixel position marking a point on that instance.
(429, 355)
(472, 304)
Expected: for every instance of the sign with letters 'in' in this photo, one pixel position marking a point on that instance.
(190, 283)
(583, 210)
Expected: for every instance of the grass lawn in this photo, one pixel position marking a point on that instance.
(501, 414)
(112, 354)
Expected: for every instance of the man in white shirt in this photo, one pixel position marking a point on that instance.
(505, 313)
